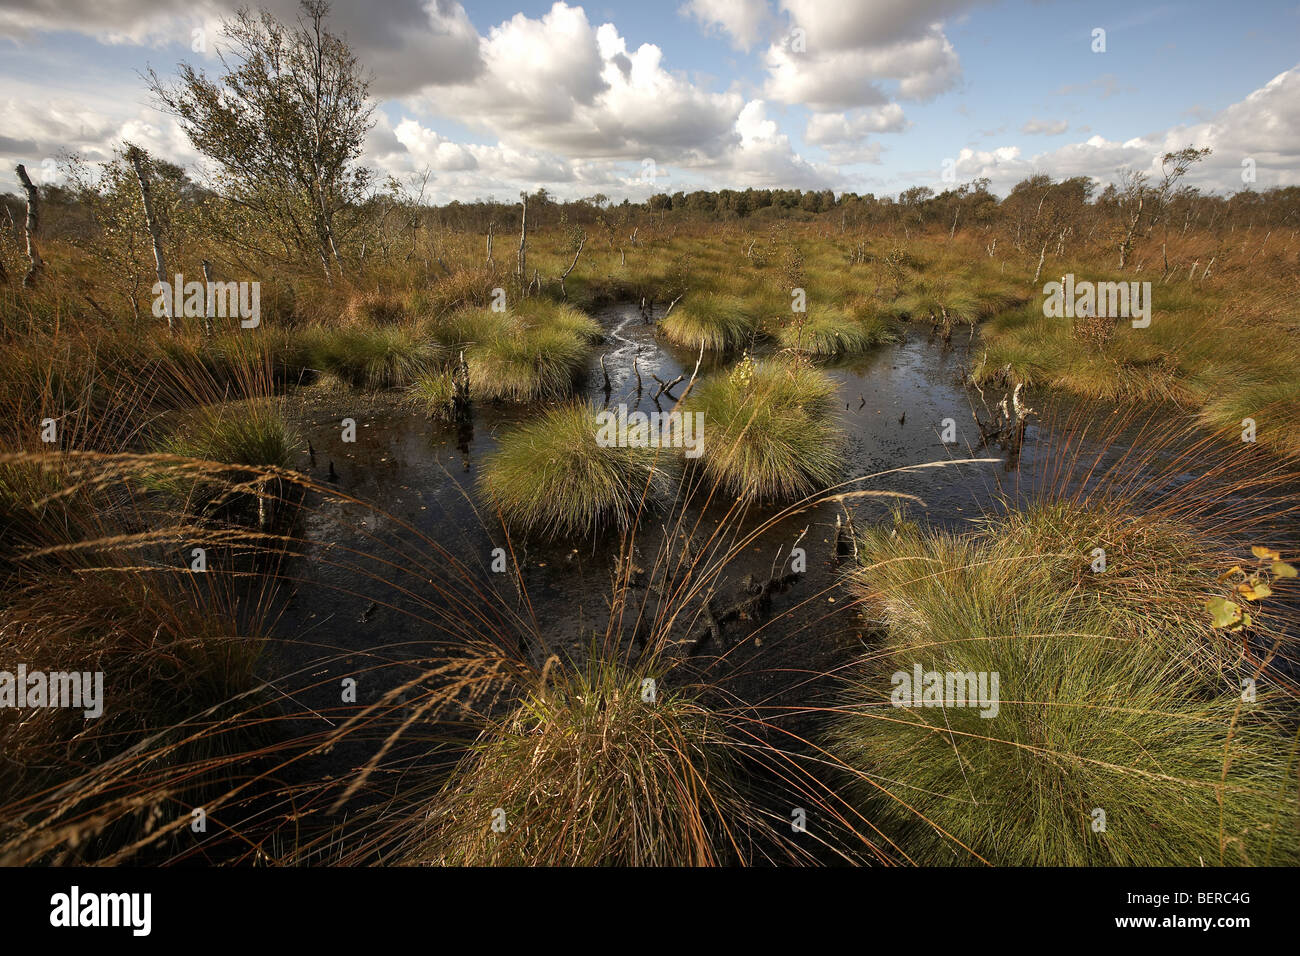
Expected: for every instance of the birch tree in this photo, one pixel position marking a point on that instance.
(285, 125)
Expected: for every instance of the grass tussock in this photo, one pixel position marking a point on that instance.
(770, 429)
(586, 771)
(533, 353)
(373, 357)
(374, 308)
(1115, 696)
(551, 476)
(174, 700)
(252, 432)
(721, 322)
(830, 332)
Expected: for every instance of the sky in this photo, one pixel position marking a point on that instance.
(633, 98)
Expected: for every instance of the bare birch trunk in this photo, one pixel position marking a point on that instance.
(582, 242)
(1126, 246)
(208, 304)
(33, 221)
(151, 223)
(523, 243)
(334, 250)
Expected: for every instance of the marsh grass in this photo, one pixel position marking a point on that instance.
(35, 512)
(721, 322)
(250, 432)
(1115, 694)
(534, 352)
(435, 392)
(521, 363)
(1110, 722)
(550, 476)
(373, 357)
(586, 771)
(374, 308)
(831, 331)
(109, 592)
(770, 428)
(1228, 356)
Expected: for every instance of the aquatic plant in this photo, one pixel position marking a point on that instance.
(251, 432)
(533, 353)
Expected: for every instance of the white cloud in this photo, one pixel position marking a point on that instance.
(829, 128)
(91, 125)
(741, 20)
(564, 102)
(1263, 127)
(765, 156)
(558, 84)
(416, 41)
(862, 53)
(1035, 127)
(870, 24)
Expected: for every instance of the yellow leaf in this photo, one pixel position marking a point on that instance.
(1224, 613)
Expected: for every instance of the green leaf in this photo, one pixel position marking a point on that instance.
(1283, 570)
(1261, 590)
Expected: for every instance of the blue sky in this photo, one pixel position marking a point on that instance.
(492, 97)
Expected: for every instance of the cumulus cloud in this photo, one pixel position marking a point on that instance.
(870, 24)
(862, 53)
(764, 156)
(560, 84)
(1263, 128)
(417, 41)
(741, 20)
(91, 125)
(759, 154)
(567, 102)
(557, 99)
(830, 128)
